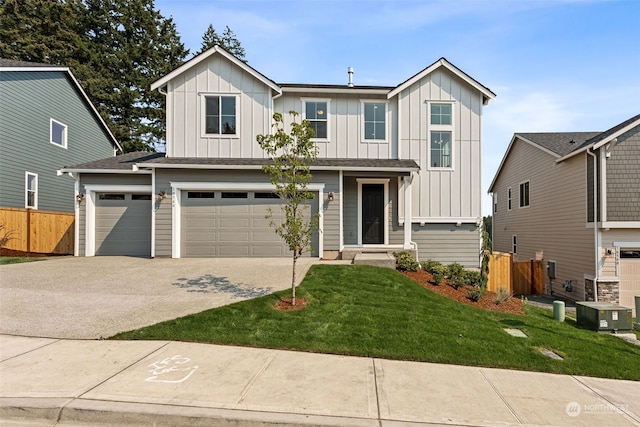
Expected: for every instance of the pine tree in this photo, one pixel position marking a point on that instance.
(228, 41)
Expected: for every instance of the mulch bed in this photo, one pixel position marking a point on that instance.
(487, 302)
(284, 304)
(14, 253)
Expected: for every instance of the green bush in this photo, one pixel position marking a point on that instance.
(502, 295)
(406, 262)
(473, 278)
(429, 265)
(477, 293)
(438, 278)
(457, 275)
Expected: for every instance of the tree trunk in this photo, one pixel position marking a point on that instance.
(293, 280)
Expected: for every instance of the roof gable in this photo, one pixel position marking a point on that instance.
(9, 65)
(215, 50)
(443, 63)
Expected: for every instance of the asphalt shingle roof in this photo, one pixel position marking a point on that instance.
(559, 142)
(126, 162)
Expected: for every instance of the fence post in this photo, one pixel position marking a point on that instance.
(28, 230)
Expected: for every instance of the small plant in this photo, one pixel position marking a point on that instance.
(457, 275)
(429, 265)
(5, 236)
(502, 295)
(477, 293)
(473, 278)
(438, 278)
(406, 262)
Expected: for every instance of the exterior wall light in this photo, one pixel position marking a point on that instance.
(161, 195)
(79, 197)
(330, 197)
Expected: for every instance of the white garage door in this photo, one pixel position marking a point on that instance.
(231, 224)
(629, 277)
(123, 224)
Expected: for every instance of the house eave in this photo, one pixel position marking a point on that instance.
(131, 171)
(392, 169)
(336, 90)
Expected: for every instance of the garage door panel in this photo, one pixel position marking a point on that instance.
(629, 281)
(123, 227)
(235, 227)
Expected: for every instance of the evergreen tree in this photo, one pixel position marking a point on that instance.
(228, 41)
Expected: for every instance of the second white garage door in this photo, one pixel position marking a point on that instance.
(231, 224)
(629, 277)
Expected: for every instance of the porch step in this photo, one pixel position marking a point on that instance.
(375, 259)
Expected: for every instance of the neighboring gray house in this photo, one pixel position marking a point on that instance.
(46, 120)
(543, 205)
(399, 168)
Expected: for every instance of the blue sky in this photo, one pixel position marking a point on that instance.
(555, 65)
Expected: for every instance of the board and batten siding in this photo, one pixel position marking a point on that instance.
(185, 118)
(440, 193)
(554, 223)
(164, 178)
(28, 101)
(345, 122)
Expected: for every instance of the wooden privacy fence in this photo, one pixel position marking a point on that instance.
(518, 277)
(39, 231)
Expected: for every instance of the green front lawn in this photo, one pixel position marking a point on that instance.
(377, 312)
(17, 259)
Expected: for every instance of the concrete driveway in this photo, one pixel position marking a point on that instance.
(89, 298)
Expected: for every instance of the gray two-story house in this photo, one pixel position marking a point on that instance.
(46, 120)
(545, 193)
(398, 168)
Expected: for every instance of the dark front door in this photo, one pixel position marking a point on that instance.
(372, 214)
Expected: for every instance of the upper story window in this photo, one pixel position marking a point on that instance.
(374, 121)
(57, 133)
(524, 194)
(514, 244)
(316, 112)
(31, 190)
(495, 202)
(220, 115)
(509, 198)
(440, 135)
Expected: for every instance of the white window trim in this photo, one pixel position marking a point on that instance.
(90, 209)
(441, 128)
(26, 190)
(176, 210)
(514, 247)
(202, 115)
(520, 194)
(362, 121)
(64, 133)
(304, 115)
(510, 198)
(361, 181)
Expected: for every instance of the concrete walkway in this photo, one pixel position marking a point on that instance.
(81, 382)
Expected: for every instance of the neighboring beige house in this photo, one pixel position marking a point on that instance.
(543, 207)
(398, 168)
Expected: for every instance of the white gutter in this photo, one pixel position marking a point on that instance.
(113, 171)
(595, 223)
(259, 167)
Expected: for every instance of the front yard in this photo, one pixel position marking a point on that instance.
(376, 312)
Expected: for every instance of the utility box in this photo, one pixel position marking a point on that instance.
(603, 316)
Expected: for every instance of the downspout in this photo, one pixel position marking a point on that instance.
(595, 221)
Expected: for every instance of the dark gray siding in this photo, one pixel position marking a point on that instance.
(164, 178)
(28, 100)
(447, 243)
(623, 178)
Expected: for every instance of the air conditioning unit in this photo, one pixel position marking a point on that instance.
(603, 317)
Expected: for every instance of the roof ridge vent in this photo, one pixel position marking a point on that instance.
(350, 71)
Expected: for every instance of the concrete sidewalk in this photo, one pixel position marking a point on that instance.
(67, 382)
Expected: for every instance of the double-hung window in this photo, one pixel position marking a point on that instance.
(509, 198)
(30, 190)
(524, 194)
(316, 112)
(441, 135)
(220, 115)
(374, 126)
(57, 133)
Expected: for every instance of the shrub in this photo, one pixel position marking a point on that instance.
(429, 265)
(406, 262)
(438, 277)
(473, 278)
(502, 295)
(440, 269)
(457, 275)
(477, 293)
